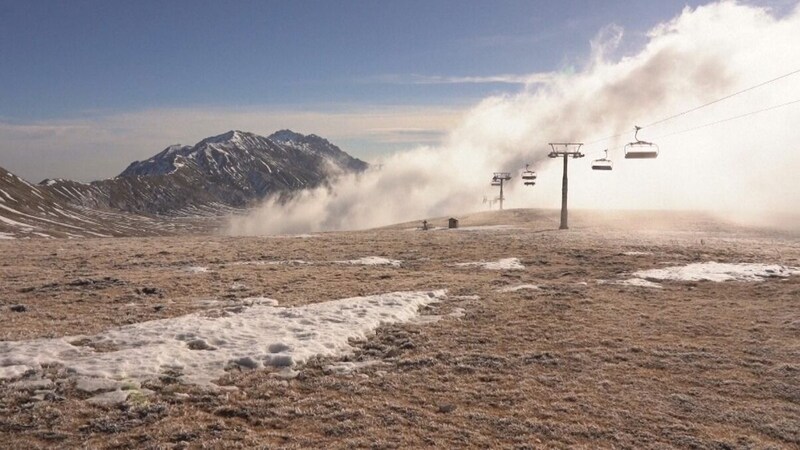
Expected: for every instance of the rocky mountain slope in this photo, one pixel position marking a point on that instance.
(28, 211)
(232, 170)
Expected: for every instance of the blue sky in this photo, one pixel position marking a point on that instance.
(72, 57)
(68, 61)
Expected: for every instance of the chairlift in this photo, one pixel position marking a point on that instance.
(496, 181)
(640, 149)
(603, 163)
(528, 176)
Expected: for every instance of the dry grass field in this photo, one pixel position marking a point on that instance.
(579, 361)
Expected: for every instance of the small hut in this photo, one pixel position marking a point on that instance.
(452, 223)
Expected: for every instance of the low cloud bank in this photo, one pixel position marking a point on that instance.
(747, 165)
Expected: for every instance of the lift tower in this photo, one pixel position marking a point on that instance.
(499, 179)
(565, 150)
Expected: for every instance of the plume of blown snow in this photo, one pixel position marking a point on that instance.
(746, 165)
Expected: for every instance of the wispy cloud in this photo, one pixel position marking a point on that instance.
(408, 135)
(525, 79)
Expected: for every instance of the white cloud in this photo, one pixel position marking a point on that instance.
(747, 165)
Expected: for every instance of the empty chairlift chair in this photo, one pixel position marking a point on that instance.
(603, 163)
(640, 149)
(528, 176)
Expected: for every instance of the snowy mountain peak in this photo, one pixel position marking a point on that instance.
(286, 136)
(230, 136)
(236, 168)
(174, 148)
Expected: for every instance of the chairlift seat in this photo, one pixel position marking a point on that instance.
(530, 183)
(602, 165)
(641, 153)
(640, 149)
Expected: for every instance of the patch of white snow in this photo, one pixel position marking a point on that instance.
(714, 271)
(502, 264)
(520, 287)
(201, 347)
(372, 261)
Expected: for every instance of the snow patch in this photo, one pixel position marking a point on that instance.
(260, 301)
(467, 297)
(372, 261)
(636, 282)
(259, 336)
(502, 264)
(520, 287)
(714, 271)
(195, 269)
(637, 253)
(14, 371)
(290, 262)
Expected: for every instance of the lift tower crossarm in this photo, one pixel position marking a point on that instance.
(565, 150)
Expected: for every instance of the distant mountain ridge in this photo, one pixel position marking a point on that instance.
(234, 169)
(181, 189)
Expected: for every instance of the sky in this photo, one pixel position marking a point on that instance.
(716, 87)
(86, 87)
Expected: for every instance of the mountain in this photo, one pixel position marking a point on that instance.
(182, 189)
(28, 211)
(233, 170)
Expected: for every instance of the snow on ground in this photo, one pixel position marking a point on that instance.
(502, 264)
(519, 288)
(714, 271)
(195, 269)
(6, 235)
(373, 261)
(637, 253)
(290, 262)
(636, 282)
(14, 223)
(467, 297)
(458, 313)
(13, 371)
(202, 347)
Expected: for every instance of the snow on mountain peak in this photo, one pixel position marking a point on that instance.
(286, 136)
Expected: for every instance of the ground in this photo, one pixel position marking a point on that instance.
(578, 361)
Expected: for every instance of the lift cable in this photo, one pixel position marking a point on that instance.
(723, 98)
(740, 116)
(794, 72)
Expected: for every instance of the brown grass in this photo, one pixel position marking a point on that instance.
(694, 365)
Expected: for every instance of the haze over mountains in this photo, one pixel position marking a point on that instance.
(216, 177)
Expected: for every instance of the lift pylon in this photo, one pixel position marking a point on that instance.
(499, 179)
(565, 150)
